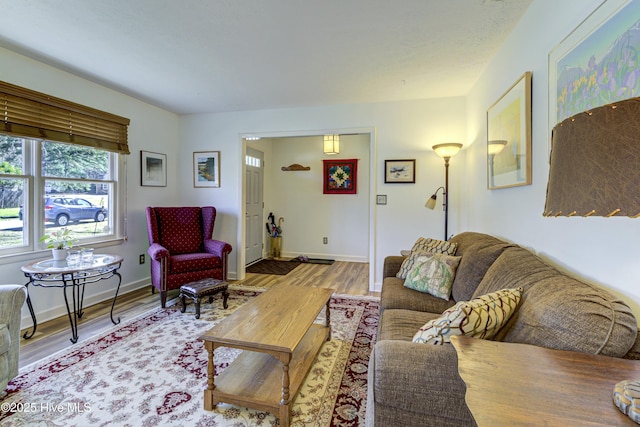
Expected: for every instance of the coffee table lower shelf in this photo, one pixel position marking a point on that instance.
(256, 378)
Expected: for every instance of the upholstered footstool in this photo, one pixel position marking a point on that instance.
(200, 289)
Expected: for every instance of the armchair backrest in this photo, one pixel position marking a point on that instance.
(180, 230)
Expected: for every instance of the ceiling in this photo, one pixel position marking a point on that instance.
(203, 56)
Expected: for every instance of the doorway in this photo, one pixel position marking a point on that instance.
(276, 198)
(254, 184)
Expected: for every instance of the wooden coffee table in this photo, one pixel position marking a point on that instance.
(281, 342)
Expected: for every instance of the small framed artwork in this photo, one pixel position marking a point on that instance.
(509, 137)
(206, 169)
(340, 176)
(400, 171)
(153, 169)
(381, 199)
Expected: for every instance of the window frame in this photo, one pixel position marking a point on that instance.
(34, 194)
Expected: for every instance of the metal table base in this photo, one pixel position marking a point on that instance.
(72, 279)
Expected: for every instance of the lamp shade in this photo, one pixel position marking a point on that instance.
(431, 202)
(331, 144)
(595, 163)
(495, 146)
(447, 150)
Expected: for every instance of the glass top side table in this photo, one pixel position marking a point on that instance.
(49, 273)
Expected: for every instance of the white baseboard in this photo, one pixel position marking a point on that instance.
(61, 310)
(377, 287)
(337, 257)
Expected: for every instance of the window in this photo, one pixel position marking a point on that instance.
(60, 166)
(13, 186)
(252, 161)
(74, 187)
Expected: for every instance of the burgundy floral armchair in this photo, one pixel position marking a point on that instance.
(181, 247)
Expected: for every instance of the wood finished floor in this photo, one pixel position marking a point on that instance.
(52, 336)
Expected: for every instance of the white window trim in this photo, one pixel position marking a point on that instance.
(34, 203)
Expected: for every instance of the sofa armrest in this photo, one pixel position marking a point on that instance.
(217, 247)
(418, 379)
(157, 252)
(392, 265)
(634, 352)
(11, 300)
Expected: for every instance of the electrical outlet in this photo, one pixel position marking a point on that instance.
(141, 259)
(325, 240)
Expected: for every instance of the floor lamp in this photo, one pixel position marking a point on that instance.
(446, 151)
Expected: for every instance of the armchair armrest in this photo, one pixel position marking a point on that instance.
(157, 252)
(217, 247)
(418, 378)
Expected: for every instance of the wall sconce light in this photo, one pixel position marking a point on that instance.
(332, 144)
(495, 146)
(446, 151)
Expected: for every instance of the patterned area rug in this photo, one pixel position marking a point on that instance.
(272, 266)
(152, 371)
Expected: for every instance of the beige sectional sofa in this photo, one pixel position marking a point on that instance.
(413, 384)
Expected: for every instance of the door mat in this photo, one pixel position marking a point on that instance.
(302, 258)
(272, 266)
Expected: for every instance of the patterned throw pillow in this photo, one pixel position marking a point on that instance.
(426, 245)
(481, 317)
(434, 245)
(433, 274)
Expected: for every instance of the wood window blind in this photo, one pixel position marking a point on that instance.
(33, 114)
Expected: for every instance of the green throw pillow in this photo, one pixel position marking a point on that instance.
(481, 317)
(423, 245)
(432, 274)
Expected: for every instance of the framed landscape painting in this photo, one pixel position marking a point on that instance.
(153, 169)
(340, 176)
(596, 64)
(206, 169)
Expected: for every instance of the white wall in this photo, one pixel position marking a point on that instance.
(151, 129)
(401, 130)
(603, 251)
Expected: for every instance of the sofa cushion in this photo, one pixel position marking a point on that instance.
(395, 295)
(185, 263)
(398, 324)
(558, 311)
(478, 252)
(481, 317)
(432, 273)
(423, 245)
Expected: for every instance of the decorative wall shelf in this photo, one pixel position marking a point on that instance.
(296, 167)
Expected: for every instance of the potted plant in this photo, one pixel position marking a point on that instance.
(59, 241)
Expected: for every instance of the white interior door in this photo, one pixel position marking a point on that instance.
(254, 229)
